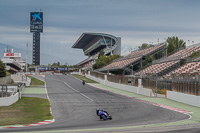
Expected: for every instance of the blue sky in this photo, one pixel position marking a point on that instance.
(135, 21)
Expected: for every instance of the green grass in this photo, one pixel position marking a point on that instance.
(35, 81)
(84, 78)
(27, 110)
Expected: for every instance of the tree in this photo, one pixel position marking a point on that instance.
(143, 46)
(174, 44)
(101, 53)
(104, 60)
(56, 64)
(2, 69)
(170, 47)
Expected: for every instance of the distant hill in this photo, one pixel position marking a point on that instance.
(44, 60)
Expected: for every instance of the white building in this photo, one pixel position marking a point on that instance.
(14, 62)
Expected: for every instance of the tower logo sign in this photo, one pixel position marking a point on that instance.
(36, 18)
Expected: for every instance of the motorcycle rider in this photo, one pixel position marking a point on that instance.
(101, 112)
(83, 82)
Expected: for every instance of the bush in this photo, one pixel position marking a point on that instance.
(104, 60)
(161, 91)
(2, 69)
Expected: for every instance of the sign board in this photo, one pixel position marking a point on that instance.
(60, 68)
(36, 22)
(36, 18)
(43, 68)
(36, 28)
(9, 54)
(57, 68)
(12, 54)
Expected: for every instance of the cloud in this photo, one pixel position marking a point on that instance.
(136, 22)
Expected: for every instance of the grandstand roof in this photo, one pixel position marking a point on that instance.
(86, 38)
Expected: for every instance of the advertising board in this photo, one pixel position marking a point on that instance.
(36, 22)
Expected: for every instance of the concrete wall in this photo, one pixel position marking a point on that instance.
(184, 98)
(134, 89)
(7, 101)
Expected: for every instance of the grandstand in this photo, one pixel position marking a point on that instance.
(181, 54)
(187, 69)
(165, 65)
(159, 69)
(93, 43)
(178, 72)
(130, 62)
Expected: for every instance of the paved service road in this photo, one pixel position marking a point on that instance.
(74, 107)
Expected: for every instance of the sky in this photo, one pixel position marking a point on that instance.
(64, 21)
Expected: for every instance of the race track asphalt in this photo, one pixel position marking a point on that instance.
(74, 107)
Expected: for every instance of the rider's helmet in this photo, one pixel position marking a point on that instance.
(97, 111)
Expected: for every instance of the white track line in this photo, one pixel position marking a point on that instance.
(74, 89)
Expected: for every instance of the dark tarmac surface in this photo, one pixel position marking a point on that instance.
(74, 107)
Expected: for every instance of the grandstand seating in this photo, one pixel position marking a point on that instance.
(157, 68)
(197, 59)
(131, 58)
(87, 66)
(189, 68)
(181, 54)
(145, 51)
(120, 64)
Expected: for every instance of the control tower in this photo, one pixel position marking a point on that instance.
(36, 27)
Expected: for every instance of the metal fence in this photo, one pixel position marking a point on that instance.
(9, 90)
(189, 84)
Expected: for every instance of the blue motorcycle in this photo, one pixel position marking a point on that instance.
(103, 115)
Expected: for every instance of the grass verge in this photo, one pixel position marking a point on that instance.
(35, 81)
(27, 110)
(84, 78)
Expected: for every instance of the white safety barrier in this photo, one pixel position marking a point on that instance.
(77, 73)
(134, 89)
(28, 81)
(7, 101)
(184, 98)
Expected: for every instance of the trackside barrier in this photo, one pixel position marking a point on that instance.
(176, 96)
(7, 101)
(78, 73)
(183, 98)
(137, 90)
(15, 93)
(28, 81)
